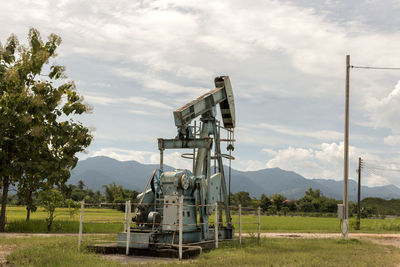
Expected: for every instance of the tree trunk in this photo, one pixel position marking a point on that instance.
(50, 221)
(6, 183)
(28, 214)
(28, 207)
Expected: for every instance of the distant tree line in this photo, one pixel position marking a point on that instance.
(312, 201)
(75, 193)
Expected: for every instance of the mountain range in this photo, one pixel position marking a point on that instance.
(98, 171)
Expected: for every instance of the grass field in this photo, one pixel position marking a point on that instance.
(94, 222)
(95, 219)
(62, 251)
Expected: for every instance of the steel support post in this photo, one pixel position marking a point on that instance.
(161, 159)
(180, 226)
(216, 225)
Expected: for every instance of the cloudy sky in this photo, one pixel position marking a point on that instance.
(135, 62)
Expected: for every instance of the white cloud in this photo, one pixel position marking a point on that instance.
(384, 112)
(108, 100)
(251, 165)
(173, 159)
(148, 102)
(377, 180)
(326, 161)
(170, 50)
(295, 159)
(326, 135)
(102, 100)
(139, 112)
(124, 154)
(269, 151)
(392, 140)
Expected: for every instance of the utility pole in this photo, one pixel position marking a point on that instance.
(345, 222)
(359, 194)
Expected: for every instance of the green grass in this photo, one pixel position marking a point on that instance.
(19, 213)
(66, 224)
(62, 251)
(301, 252)
(51, 251)
(288, 224)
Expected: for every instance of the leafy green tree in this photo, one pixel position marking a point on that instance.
(242, 198)
(329, 205)
(38, 137)
(73, 207)
(311, 201)
(27, 192)
(272, 210)
(278, 201)
(51, 199)
(314, 201)
(291, 204)
(81, 185)
(285, 210)
(265, 202)
(117, 194)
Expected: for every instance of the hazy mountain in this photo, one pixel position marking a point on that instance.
(98, 171)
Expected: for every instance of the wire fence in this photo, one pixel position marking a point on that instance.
(185, 218)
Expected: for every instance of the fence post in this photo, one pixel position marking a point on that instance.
(128, 229)
(180, 226)
(259, 224)
(216, 225)
(126, 215)
(81, 225)
(240, 224)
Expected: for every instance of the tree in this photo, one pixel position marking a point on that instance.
(314, 201)
(50, 200)
(278, 201)
(242, 198)
(265, 202)
(73, 207)
(81, 185)
(311, 201)
(38, 137)
(26, 191)
(117, 194)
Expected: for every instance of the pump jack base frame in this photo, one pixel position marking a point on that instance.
(189, 250)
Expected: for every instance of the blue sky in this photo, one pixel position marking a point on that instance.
(135, 62)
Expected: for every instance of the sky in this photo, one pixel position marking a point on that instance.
(135, 62)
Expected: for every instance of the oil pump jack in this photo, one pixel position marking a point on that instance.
(156, 217)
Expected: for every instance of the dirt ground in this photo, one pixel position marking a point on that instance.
(4, 251)
(382, 239)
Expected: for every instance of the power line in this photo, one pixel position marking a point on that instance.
(384, 162)
(373, 68)
(374, 167)
(385, 169)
